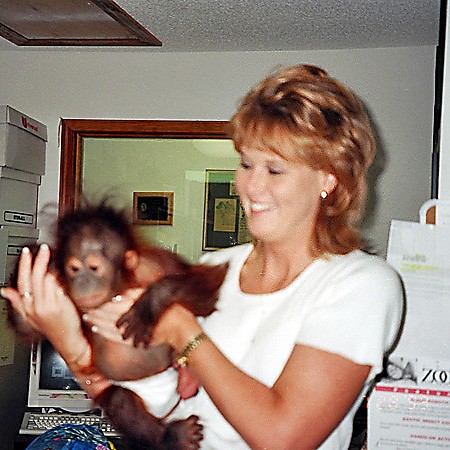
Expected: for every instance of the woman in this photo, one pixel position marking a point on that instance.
(304, 317)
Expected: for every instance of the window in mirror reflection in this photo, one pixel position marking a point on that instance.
(121, 166)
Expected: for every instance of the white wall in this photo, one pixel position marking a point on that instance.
(444, 144)
(396, 84)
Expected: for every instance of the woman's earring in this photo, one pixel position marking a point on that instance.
(323, 194)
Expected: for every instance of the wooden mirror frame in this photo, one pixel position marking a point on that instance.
(72, 132)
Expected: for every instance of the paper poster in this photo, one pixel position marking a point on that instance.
(408, 418)
(7, 339)
(421, 255)
(410, 408)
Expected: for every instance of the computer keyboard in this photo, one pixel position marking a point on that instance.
(38, 422)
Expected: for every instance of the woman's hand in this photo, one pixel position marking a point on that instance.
(175, 327)
(103, 322)
(40, 300)
(103, 319)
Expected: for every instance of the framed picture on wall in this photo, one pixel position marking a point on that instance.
(223, 222)
(153, 208)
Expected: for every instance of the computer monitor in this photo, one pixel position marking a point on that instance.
(52, 384)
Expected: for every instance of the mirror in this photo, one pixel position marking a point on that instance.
(158, 169)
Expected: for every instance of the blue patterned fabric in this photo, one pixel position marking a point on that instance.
(71, 437)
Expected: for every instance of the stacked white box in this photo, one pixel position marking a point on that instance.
(22, 163)
(18, 197)
(12, 240)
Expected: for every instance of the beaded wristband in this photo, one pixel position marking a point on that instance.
(192, 344)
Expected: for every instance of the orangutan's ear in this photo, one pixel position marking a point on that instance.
(131, 260)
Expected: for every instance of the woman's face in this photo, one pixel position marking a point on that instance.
(280, 198)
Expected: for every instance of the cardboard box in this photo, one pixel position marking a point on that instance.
(18, 197)
(22, 141)
(12, 240)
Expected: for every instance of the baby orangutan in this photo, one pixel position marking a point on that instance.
(97, 257)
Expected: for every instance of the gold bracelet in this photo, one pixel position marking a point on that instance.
(192, 344)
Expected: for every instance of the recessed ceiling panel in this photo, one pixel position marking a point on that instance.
(70, 22)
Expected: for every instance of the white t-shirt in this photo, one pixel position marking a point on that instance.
(349, 305)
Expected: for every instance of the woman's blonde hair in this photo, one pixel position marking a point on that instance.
(303, 115)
